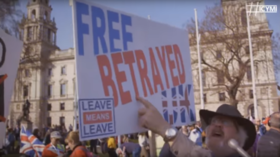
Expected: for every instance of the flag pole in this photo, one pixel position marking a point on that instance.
(75, 108)
(152, 136)
(71, 3)
(252, 65)
(199, 61)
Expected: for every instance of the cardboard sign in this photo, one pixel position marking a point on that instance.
(120, 56)
(10, 49)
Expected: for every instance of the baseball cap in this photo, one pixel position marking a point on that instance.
(56, 134)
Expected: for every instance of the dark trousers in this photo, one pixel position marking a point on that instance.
(136, 152)
(10, 148)
(93, 144)
(112, 152)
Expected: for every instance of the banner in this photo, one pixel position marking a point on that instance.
(10, 49)
(120, 56)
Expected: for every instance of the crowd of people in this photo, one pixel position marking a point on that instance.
(210, 137)
(60, 142)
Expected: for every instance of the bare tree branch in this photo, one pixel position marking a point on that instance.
(10, 17)
(223, 31)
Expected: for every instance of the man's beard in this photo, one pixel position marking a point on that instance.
(218, 149)
(220, 145)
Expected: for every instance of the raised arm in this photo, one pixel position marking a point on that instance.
(180, 146)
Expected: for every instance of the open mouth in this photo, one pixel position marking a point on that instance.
(217, 134)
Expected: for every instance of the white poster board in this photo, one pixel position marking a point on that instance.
(10, 49)
(120, 56)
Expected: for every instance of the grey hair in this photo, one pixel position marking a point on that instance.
(242, 135)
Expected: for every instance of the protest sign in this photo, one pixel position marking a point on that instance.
(120, 56)
(10, 49)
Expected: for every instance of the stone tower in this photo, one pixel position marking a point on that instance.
(38, 28)
(39, 37)
(258, 21)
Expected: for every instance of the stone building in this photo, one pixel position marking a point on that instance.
(46, 75)
(214, 81)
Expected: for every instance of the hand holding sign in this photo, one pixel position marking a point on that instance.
(151, 119)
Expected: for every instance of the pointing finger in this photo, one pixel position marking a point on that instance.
(146, 103)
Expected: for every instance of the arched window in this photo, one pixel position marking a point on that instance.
(33, 14)
(243, 18)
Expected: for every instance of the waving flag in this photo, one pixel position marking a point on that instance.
(29, 144)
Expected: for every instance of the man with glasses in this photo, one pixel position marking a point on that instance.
(221, 126)
(54, 148)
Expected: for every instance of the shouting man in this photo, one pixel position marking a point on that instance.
(221, 126)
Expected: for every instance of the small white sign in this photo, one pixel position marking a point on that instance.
(98, 117)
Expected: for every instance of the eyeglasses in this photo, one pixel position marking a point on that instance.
(224, 121)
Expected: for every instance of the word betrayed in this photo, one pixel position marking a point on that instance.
(98, 117)
(151, 71)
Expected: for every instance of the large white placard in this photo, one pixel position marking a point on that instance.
(10, 49)
(120, 56)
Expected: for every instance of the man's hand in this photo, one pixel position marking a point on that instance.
(150, 118)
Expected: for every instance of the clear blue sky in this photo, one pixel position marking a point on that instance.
(172, 12)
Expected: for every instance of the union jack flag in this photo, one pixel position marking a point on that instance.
(29, 144)
(175, 103)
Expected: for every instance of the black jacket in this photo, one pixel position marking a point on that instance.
(269, 144)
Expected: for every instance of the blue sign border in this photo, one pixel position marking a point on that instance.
(80, 118)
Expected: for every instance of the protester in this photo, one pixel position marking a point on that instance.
(253, 150)
(265, 122)
(111, 143)
(17, 132)
(52, 149)
(47, 138)
(36, 133)
(93, 144)
(125, 138)
(196, 135)
(221, 126)
(185, 130)
(269, 144)
(143, 141)
(103, 145)
(10, 141)
(133, 149)
(121, 152)
(74, 143)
